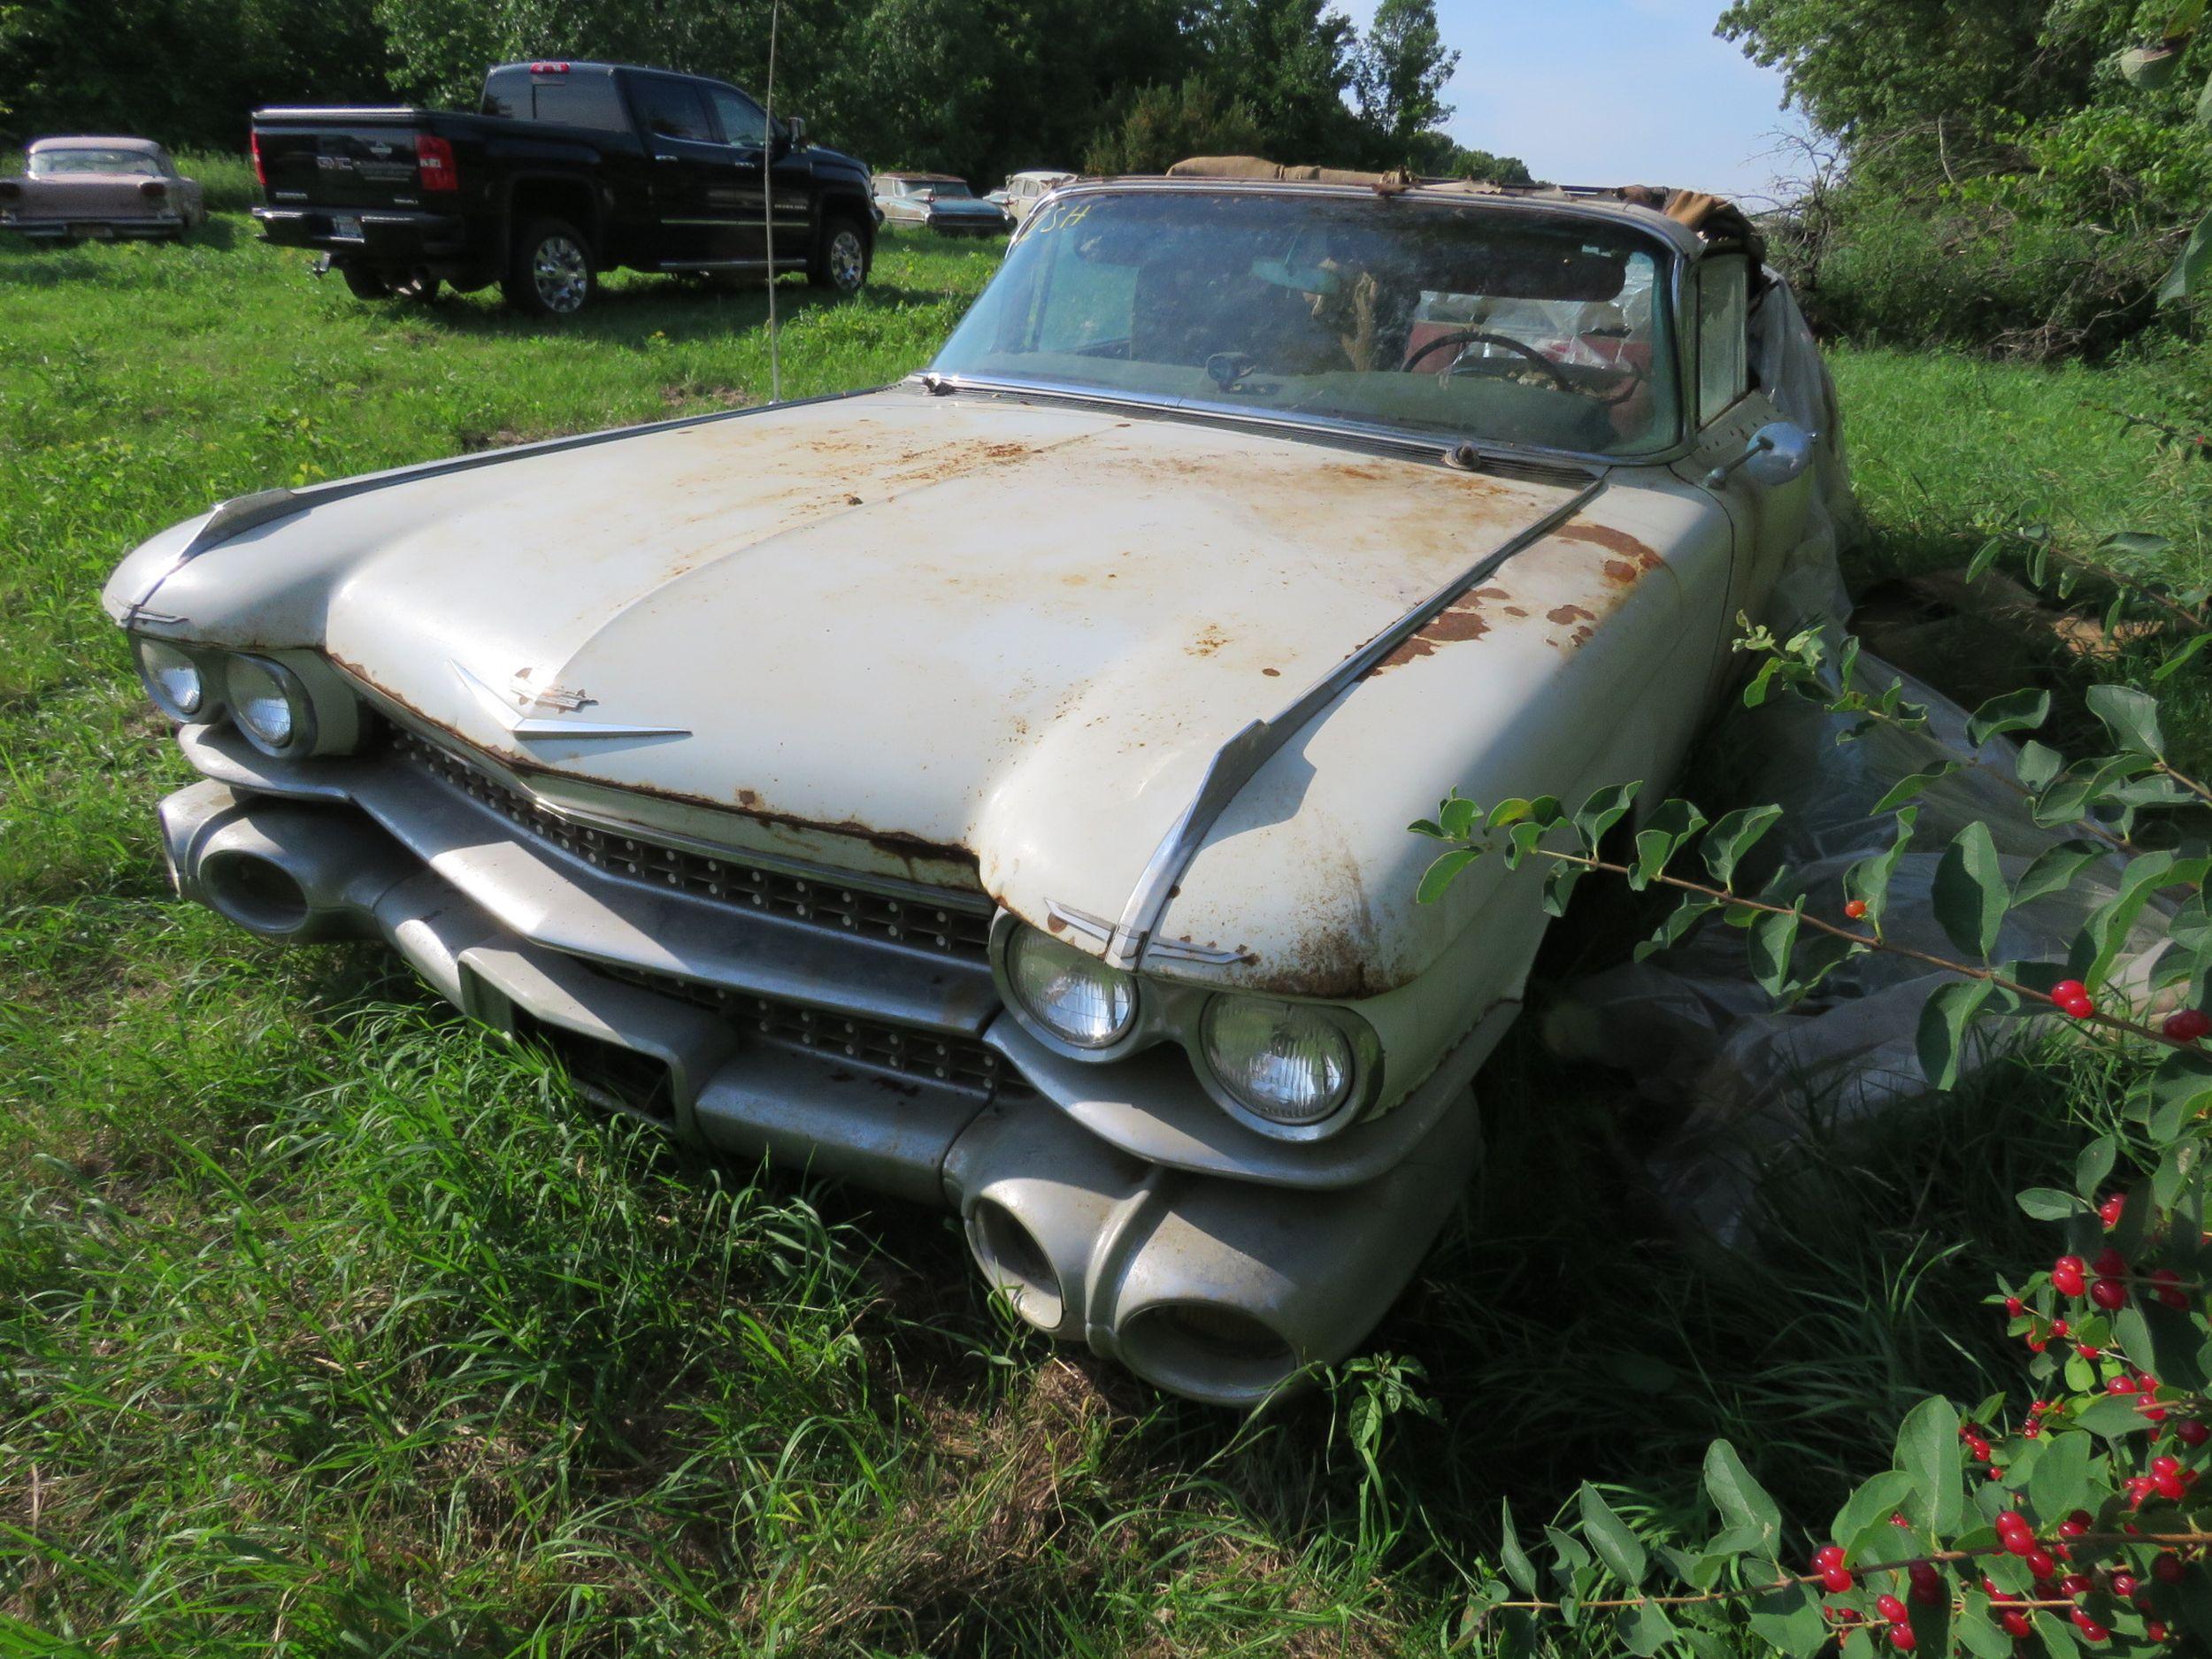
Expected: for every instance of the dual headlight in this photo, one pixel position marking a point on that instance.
(281, 712)
(1289, 1068)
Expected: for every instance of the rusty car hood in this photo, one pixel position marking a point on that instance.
(956, 639)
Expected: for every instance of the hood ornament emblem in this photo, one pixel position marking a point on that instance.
(514, 709)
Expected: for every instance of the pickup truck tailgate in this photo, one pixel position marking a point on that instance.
(340, 157)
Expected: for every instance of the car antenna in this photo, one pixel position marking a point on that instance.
(768, 201)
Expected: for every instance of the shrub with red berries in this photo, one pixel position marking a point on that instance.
(2076, 1520)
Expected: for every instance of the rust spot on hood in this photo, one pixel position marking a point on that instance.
(1461, 621)
(1613, 542)
(1564, 614)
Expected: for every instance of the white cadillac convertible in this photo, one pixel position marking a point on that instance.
(1047, 865)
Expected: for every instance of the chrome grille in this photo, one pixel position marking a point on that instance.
(832, 904)
(881, 1045)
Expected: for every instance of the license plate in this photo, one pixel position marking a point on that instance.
(345, 227)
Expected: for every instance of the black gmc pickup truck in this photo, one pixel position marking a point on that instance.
(571, 169)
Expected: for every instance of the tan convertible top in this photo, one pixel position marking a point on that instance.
(1714, 217)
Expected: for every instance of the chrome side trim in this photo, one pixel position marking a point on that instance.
(1239, 759)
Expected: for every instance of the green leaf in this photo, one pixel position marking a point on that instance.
(1944, 1020)
(1773, 938)
(1733, 836)
(2094, 1164)
(1928, 1449)
(1911, 786)
(1559, 886)
(1602, 810)
(1673, 823)
(1441, 875)
(2188, 273)
(2015, 712)
(1869, 880)
(1685, 916)
(2112, 1417)
(1645, 1629)
(2039, 763)
(2105, 935)
(1871, 1505)
(1517, 1566)
(1790, 1621)
(2056, 869)
(2059, 1483)
(2178, 1088)
(2049, 1203)
(1971, 895)
(1742, 1501)
(1617, 1547)
(1459, 815)
(1978, 1631)
(2179, 660)
(2130, 718)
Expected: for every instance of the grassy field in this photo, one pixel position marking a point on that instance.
(328, 1328)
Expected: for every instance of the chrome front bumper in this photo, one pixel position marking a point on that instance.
(1174, 1248)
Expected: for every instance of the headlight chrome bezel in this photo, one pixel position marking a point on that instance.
(304, 730)
(1008, 941)
(207, 670)
(327, 715)
(1362, 1053)
(1169, 1012)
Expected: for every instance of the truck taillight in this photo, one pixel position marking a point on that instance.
(434, 156)
(548, 69)
(260, 172)
(153, 189)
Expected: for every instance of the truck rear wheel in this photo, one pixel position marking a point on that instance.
(550, 272)
(840, 257)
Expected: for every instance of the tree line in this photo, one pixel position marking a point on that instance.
(2019, 175)
(980, 88)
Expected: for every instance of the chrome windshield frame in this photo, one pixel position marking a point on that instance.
(1677, 248)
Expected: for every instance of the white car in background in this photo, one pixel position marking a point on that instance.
(935, 201)
(1023, 190)
(101, 188)
(1049, 866)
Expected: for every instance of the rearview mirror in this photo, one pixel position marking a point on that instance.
(1778, 453)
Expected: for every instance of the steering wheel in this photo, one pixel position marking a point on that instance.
(1464, 337)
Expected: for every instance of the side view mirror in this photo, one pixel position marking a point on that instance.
(798, 131)
(1779, 452)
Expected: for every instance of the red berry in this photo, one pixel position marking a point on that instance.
(1836, 1580)
(2069, 1276)
(2067, 989)
(2058, 1327)
(2040, 1563)
(2162, 1465)
(2017, 1626)
(2119, 1385)
(1901, 1636)
(1827, 1556)
(2156, 1631)
(2010, 1521)
(1927, 1583)
(2167, 1568)
(2190, 1432)
(2170, 1290)
(2014, 1306)
(1978, 1447)
(2087, 1351)
(2108, 1263)
(2124, 1585)
(1855, 909)
(2110, 1210)
(2076, 1583)
(2108, 1294)
(1890, 1608)
(2091, 1631)
(2075, 1524)
(2078, 1008)
(2188, 1025)
(2171, 1487)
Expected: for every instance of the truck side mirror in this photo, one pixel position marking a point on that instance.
(798, 131)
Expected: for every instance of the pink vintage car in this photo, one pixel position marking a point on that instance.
(101, 188)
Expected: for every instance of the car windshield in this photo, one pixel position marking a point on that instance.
(945, 191)
(52, 163)
(1464, 319)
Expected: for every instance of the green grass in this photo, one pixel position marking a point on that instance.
(328, 1327)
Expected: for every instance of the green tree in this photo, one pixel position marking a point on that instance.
(1292, 61)
(1162, 125)
(1401, 72)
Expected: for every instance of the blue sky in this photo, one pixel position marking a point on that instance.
(1611, 92)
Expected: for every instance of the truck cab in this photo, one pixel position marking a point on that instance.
(567, 170)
